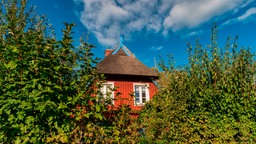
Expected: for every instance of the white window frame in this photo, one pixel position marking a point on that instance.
(140, 93)
(104, 91)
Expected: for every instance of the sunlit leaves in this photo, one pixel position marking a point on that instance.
(42, 80)
(212, 100)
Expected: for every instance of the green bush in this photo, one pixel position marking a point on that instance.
(47, 86)
(212, 100)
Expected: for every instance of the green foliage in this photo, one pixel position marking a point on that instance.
(123, 128)
(49, 91)
(47, 87)
(212, 100)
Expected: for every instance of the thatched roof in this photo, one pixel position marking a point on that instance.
(122, 62)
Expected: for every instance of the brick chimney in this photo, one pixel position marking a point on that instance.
(108, 51)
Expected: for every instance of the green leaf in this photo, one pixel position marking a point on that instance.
(15, 50)
(17, 141)
(11, 65)
(98, 108)
(39, 87)
(29, 119)
(62, 106)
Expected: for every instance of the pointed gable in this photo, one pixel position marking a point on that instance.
(121, 52)
(122, 62)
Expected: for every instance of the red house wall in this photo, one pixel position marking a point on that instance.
(125, 89)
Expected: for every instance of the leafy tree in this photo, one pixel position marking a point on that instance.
(212, 100)
(48, 87)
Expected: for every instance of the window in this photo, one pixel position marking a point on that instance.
(107, 92)
(141, 93)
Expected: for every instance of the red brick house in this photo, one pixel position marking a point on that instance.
(134, 80)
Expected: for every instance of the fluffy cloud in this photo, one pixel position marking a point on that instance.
(108, 19)
(192, 13)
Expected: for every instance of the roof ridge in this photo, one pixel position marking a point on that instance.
(125, 49)
(121, 46)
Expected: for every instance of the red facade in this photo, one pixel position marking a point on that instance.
(125, 93)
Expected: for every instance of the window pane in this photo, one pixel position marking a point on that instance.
(137, 89)
(137, 100)
(143, 97)
(143, 100)
(137, 97)
(107, 93)
(143, 88)
(137, 94)
(143, 94)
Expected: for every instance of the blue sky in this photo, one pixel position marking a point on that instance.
(153, 28)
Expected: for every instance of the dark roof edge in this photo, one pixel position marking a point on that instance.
(147, 76)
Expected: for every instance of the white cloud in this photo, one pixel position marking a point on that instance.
(156, 48)
(192, 13)
(108, 19)
(248, 13)
(194, 33)
(244, 17)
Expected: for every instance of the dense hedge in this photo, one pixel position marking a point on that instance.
(212, 100)
(46, 85)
